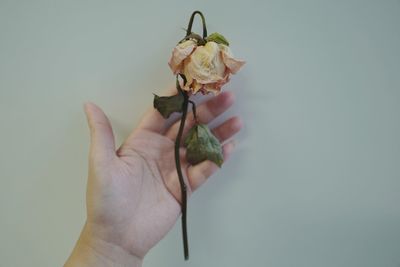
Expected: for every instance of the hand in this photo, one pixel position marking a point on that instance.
(133, 193)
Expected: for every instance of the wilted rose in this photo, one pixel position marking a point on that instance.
(206, 68)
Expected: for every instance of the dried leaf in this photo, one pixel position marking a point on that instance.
(167, 105)
(218, 38)
(202, 145)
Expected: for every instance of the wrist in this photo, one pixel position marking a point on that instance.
(92, 251)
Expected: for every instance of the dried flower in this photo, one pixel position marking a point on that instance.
(204, 63)
(206, 68)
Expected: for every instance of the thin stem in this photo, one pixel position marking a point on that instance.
(179, 137)
(194, 111)
(179, 170)
(189, 29)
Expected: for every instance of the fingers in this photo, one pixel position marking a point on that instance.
(206, 112)
(199, 173)
(152, 119)
(227, 129)
(102, 144)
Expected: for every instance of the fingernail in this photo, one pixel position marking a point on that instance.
(87, 106)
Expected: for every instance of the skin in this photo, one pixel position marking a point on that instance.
(133, 192)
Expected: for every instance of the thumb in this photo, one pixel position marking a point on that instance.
(102, 145)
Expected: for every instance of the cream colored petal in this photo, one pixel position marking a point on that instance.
(205, 64)
(196, 86)
(188, 76)
(189, 82)
(180, 52)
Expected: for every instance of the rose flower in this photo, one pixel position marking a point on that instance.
(206, 67)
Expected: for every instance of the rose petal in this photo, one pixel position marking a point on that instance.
(192, 85)
(180, 52)
(231, 63)
(215, 88)
(205, 64)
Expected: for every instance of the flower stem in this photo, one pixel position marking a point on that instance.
(179, 138)
(189, 29)
(179, 170)
(194, 111)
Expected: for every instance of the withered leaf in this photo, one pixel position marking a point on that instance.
(202, 145)
(218, 38)
(167, 105)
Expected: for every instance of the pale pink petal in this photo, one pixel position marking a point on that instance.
(180, 52)
(230, 62)
(216, 87)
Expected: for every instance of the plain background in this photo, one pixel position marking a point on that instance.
(315, 180)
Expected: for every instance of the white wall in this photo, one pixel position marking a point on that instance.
(315, 180)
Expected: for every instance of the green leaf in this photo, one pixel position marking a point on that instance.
(167, 105)
(217, 38)
(202, 145)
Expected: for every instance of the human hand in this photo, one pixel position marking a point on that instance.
(133, 193)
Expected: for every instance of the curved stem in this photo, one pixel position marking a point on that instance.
(189, 29)
(179, 170)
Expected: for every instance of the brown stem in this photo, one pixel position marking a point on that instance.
(194, 111)
(179, 170)
(189, 29)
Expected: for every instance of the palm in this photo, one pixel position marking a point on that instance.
(140, 202)
(133, 195)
